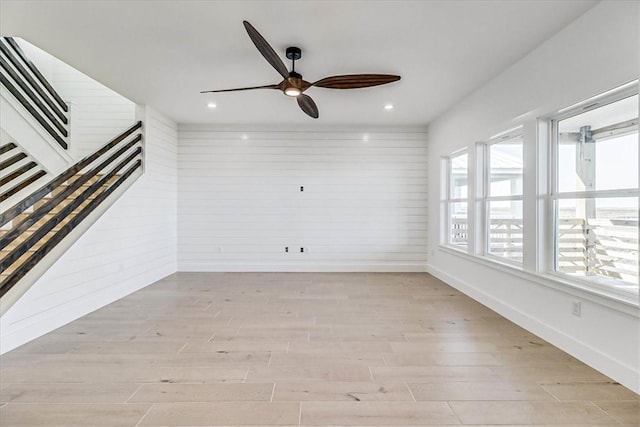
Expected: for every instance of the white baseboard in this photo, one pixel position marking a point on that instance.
(302, 268)
(624, 374)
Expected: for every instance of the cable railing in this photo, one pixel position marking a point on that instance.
(32, 90)
(33, 227)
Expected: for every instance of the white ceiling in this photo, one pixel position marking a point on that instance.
(163, 53)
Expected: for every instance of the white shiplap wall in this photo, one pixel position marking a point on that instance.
(363, 207)
(97, 112)
(131, 246)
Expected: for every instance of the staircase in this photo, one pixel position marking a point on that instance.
(36, 227)
(33, 92)
(32, 229)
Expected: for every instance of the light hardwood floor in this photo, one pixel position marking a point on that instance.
(289, 349)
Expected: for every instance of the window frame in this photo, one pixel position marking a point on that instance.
(484, 197)
(446, 200)
(602, 285)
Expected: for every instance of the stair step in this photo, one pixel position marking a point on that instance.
(77, 192)
(29, 232)
(13, 267)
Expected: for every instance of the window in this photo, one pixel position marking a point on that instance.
(454, 199)
(595, 193)
(503, 197)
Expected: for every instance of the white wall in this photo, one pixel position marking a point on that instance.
(362, 209)
(97, 112)
(131, 246)
(599, 51)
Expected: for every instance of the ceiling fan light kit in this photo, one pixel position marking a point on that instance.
(294, 85)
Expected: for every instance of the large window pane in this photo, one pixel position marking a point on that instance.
(505, 229)
(598, 239)
(459, 224)
(459, 176)
(505, 168)
(598, 150)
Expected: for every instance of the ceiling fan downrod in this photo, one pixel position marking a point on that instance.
(293, 53)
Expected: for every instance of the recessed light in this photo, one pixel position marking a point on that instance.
(365, 138)
(245, 137)
(388, 106)
(211, 105)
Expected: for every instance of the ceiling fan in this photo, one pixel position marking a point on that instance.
(293, 84)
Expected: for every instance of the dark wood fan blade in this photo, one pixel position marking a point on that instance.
(267, 51)
(242, 88)
(307, 105)
(355, 81)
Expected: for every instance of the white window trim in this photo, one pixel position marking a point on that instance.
(538, 204)
(446, 200)
(484, 198)
(594, 284)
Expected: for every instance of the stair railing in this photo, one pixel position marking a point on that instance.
(96, 177)
(32, 90)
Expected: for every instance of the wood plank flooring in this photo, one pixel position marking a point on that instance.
(302, 349)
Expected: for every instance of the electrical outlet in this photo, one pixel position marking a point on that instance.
(576, 308)
(301, 250)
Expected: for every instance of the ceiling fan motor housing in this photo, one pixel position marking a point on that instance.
(293, 53)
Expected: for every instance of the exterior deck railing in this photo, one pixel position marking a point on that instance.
(592, 247)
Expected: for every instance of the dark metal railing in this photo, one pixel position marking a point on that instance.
(25, 82)
(20, 207)
(95, 177)
(15, 179)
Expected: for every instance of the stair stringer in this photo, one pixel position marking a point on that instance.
(29, 279)
(29, 134)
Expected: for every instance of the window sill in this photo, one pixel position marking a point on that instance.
(625, 302)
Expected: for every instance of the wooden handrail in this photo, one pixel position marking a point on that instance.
(48, 188)
(37, 73)
(25, 74)
(36, 115)
(8, 283)
(46, 208)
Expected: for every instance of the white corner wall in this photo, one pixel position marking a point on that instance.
(131, 246)
(363, 207)
(597, 52)
(97, 113)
